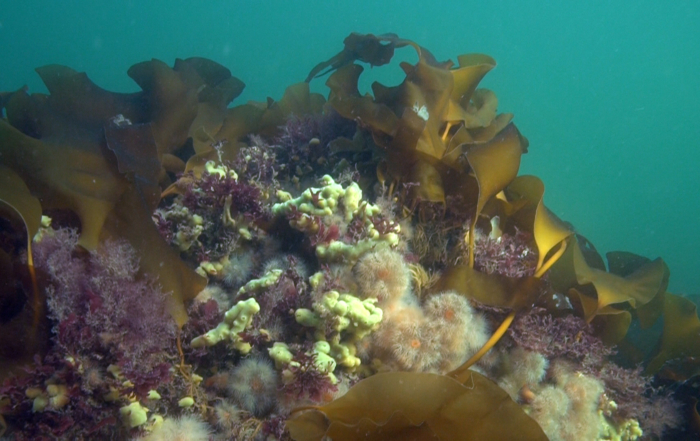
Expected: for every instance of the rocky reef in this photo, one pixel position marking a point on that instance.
(357, 266)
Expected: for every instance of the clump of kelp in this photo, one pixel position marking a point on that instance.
(117, 210)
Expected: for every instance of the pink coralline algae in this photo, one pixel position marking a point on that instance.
(299, 130)
(214, 201)
(104, 310)
(508, 254)
(654, 408)
(560, 337)
(303, 145)
(212, 191)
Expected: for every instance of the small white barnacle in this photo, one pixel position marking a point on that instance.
(421, 111)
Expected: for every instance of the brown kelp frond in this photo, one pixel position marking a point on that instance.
(490, 289)
(598, 289)
(15, 194)
(433, 123)
(623, 264)
(504, 150)
(437, 122)
(23, 310)
(420, 406)
(97, 154)
(681, 333)
(461, 373)
(549, 233)
(368, 48)
(65, 175)
(548, 230)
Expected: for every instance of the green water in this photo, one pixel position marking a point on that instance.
(607, 94)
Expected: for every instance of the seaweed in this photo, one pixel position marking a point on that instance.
(437, 157)
(420, 406)
(23, 307)
(681, 334)
(376, 51)
(95, 153)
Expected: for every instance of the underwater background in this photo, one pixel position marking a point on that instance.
(607, 93)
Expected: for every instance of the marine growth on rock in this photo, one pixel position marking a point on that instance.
(315, 267)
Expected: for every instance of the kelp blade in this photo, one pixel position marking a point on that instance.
(417, 406)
